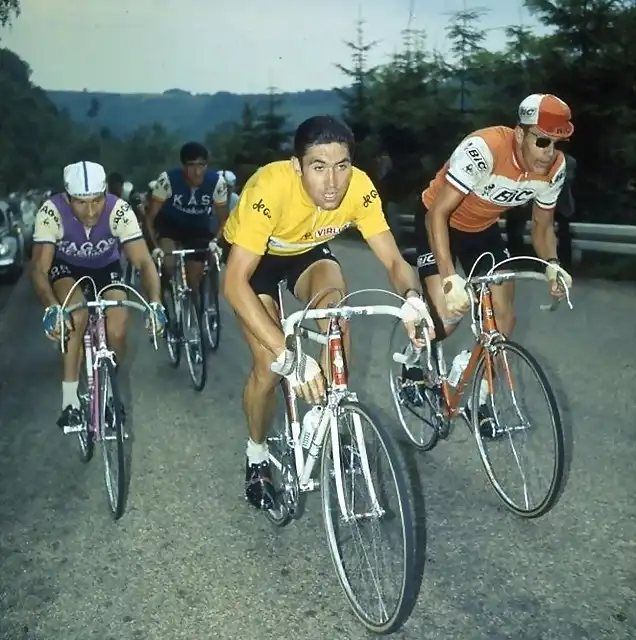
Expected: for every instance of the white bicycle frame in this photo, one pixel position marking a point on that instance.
(329, 418)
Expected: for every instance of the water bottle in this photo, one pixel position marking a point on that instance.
(311, 420)
(459, 365)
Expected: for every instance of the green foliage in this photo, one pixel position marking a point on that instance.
(416, 107)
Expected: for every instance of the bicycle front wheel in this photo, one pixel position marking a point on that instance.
(370, 503)
(210, 311)
(193, 341)
(518, 431)
(172, 331)
(116, 443)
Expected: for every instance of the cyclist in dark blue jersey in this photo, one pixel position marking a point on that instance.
(178, 215)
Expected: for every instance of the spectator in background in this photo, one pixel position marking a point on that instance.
(564, 212)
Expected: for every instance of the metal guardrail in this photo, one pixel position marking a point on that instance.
(619, 239)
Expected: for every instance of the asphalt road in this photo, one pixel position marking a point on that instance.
(191, 560)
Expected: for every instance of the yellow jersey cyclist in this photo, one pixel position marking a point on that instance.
(490, 172)
(78, 233)
(184, 201)
(280, 228)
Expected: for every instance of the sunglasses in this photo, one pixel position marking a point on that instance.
(543, 143)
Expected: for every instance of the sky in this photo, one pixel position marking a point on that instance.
(205, 46)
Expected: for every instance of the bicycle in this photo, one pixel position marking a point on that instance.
(345, 463)
(98, 391)
(184, 320)
(442, 398)
(209, 309)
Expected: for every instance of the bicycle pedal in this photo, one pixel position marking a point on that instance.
(68, 430)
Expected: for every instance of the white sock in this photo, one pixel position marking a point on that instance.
(69, 394)
(257, 453)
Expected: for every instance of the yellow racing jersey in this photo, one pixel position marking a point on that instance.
(275, 215)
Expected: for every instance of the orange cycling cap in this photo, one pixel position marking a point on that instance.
(549, 114)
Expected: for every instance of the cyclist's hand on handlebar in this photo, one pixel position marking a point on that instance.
(158, 320)
(157, 254)
(557, 276)
(413, 313)
(52, 321)
(455, 295)
(304, 375)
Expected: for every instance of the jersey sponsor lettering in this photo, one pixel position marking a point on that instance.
(512, 196)
(261, 207)
(369, 198)
(87, 250)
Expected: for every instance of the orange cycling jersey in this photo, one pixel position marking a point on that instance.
(275, 215)
(484, 166)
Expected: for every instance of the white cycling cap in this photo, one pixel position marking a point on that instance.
(84, 179)
(127, 190)
(228, 176)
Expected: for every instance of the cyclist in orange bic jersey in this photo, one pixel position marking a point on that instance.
(491, 171)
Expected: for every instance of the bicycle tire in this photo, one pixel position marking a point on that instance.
(281, 450)
(209, 299)
(107, 377)
(558, 467)
(189, 316)
(85, 437)
(172, 330)
(402, 609)
(403, 409)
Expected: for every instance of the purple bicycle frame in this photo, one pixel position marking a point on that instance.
(94, 341)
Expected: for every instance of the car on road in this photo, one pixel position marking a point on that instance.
(12, 242)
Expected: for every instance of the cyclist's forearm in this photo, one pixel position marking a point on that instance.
(544, 241)
(439, 241)
(42, 286)
(404, 279)
(254, 316)
(150, 281)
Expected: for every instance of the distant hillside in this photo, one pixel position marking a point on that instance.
(191, 116)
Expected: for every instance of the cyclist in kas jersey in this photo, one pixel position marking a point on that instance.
(280, 228)
(79, 233)
(180, 208)
(490, 172)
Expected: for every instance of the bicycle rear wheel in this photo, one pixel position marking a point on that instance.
(210, 311)
(371, 499)
(509, 360)
(282, 464)
(116, 443)
(193, 340)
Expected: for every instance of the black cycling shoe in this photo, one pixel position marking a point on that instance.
(411, 391)
(487, 422)
(71, 417)
(259, 487)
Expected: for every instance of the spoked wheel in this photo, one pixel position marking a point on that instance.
(418, 403)
(370, 510)
(193, 341)
(85, 437)
(518, 431)
(172, 331)
(210, 311)
(116, 443)
(281, 461)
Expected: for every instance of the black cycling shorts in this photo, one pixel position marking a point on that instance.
(465, 247)
(186, 237)
(272, 269)
(102, 276)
